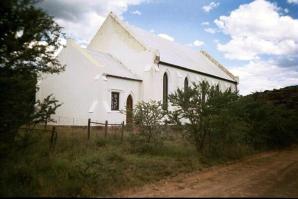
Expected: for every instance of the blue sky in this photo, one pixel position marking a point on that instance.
(257, 40)
(183, 20)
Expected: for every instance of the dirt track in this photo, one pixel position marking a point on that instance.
(268, 174)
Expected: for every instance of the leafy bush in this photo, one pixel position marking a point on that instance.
(224, 124)
(200, 107)
(271, 126)
(148, 119)
(44, 110)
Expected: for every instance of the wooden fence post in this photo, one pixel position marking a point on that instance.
(89, 123)
(106, 128)
(122, 130)
(56, 135)
(53, 137)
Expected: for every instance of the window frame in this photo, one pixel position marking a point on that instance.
(117, 108)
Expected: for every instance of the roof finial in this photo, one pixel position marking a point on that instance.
(111, 13)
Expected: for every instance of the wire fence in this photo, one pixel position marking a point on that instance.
(69, 121)
(106, 127)
(77, 128)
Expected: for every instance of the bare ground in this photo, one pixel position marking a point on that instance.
(269, 174)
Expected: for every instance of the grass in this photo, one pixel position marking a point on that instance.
(98, 167)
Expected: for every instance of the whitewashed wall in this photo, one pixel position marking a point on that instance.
(76, 87)
(176, 80)
(125, 88)
(85, 91)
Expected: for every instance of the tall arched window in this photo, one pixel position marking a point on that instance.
(165, 92)
(185, 83)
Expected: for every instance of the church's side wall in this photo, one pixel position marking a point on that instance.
(176, 80)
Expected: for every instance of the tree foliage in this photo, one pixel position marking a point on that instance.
(29, 39)
(196, 106)
(222, 122)
(44, 110)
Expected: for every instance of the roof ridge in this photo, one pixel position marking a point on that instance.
(213, 60)
(124, 66)
(127, 29)
(83, 51)
(115, 59)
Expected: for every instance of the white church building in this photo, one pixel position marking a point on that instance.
(121, 66)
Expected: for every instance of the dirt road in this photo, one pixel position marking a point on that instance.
(268, 174)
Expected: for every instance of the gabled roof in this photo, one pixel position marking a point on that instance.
(177, 54)
(112, 66)
(106, 62)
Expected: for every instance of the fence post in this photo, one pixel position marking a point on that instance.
(106, 128)
(53, 137)
(72, 127)
(89, 123)
(56, 135)
(122, 130)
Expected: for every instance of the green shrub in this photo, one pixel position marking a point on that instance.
(148, 118)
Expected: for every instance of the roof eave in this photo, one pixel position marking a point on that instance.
(197, 72)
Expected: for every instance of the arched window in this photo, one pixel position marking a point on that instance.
(185, 83)
(165, 92)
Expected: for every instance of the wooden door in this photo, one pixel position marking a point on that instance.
(129, 109)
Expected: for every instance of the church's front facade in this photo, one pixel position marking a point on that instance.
(121, 66)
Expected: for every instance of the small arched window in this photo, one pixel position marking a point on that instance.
(165, 92)
(185, 83)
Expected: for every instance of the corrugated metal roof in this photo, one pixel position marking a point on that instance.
(174, 53)
(111, 64)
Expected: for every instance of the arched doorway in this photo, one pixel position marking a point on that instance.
(129, 109)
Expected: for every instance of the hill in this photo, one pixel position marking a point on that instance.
(287, 96)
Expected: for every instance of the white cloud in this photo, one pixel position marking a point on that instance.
(210, 6)
(205, 23)
(264, 75)
(258, 29)
(78, 31)
(136, 12)
(195, 43)
(293, 1)
(210, 30)
(198, 43)
(165, 36)
(82, 18)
